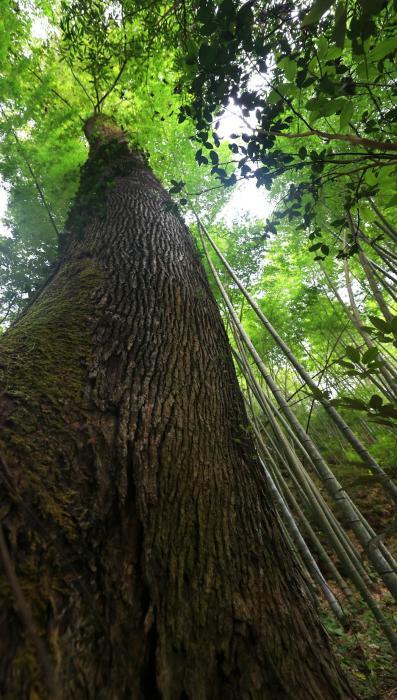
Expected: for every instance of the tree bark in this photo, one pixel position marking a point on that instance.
(135, 515)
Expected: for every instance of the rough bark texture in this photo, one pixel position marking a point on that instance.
(133, 507)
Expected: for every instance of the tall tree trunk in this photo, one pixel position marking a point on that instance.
(136, 522)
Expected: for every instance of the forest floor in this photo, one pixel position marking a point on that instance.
(362, 649)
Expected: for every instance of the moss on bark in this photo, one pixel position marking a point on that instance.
(43, 367)
(44, 359)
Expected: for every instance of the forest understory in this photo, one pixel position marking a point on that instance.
(361, 649)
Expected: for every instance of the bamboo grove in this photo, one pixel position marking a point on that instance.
(273, 416)
(307, 293)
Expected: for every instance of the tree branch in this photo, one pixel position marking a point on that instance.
(357, 140)
(33, 176)
(113, 85)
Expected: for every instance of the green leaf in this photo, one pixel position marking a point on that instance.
(383, 49)
(322, 47)
(207, 55)
(343, 363)
(274, 97)
(289, 67)
(244, 20)
(316, 12)
(177, 186)
(317, 393)
(315, 103)
(380, 324)
(302, 152)
(346, 114)
(381, 421)
(205, 12)
(389, 410)
(370, 355)
(391, 203)
(372, 7)
(325, 107)
(353, 353)
(354, 403)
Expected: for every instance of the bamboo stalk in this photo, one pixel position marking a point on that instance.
(384, 253)
(367, 458)
(392, 232)
(366, 595)
(278, 492)
(386, 273)
(386, 370)
(279, 488)
(323, 515)
(284, 488)
(303, 548)
(378, 296)
(378, 382)
(372, 536)
(384, 284)
(333, 486)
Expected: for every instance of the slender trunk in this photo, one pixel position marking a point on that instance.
(389, 229)
(385, 388)
(378, 296)
(383, 283)
(388, 256)
(330, 482)
(385, 370)
(136, 514)
(389, 486)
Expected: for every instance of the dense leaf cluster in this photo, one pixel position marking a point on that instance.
(314, 87)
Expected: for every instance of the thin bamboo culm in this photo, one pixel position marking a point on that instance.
(379, 562)
(334, 488)
(384, 478)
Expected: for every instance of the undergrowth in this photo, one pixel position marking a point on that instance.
(362, 650)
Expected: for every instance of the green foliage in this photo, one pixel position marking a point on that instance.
(362, 652)
(90, 58)
(315, 90)
(383, 331)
